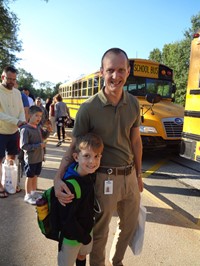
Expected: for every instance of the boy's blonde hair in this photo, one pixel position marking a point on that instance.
(89, 140)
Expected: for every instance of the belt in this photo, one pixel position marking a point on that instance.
(116, 171)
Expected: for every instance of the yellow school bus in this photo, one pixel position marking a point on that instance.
(190, 145)
(152, 83)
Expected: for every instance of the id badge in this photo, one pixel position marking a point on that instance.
(108, 187)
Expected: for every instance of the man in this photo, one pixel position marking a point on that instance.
(30, 99)
(115, 115)
(11, 117)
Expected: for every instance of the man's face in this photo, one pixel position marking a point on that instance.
(115, 71)
(26, 92)
(9, 80)
(38, 102)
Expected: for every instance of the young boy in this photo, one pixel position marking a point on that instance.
(77, 217)
(31, 142)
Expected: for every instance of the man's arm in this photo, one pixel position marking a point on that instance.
(136, 143)
(59, 185)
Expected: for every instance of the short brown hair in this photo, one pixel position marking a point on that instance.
(34, 109)
(9, 69)
(89, 140)
(114, 51)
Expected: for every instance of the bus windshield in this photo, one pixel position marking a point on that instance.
(140, 86)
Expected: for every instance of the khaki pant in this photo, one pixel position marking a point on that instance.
(68, 254)
(125, 199)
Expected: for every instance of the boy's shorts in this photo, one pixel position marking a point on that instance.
(68, 254)
(9, 144)
(32, 170)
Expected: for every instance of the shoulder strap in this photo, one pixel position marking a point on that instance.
(76, 186)
(48, 194)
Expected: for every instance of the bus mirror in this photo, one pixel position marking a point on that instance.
(173, 88)
(153, 98)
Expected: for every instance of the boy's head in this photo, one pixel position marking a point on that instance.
(87, 153)
(35, 114)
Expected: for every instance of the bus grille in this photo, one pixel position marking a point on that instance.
(172, 129)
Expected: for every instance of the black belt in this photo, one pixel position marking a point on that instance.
(116, 171)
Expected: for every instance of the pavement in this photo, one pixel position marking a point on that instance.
(22, 244)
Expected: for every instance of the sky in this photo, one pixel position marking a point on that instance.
(63, 39)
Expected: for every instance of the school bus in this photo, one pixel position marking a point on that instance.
(152, 83)
(190, 145)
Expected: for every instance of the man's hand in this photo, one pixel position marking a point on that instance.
(21, 123)
(43, 145)
(140, 183)
(62, 192)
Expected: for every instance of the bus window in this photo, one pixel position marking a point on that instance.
(84, 88)
(136, 86)
(64, 91)
(79, 89)
(90, 87)
(141, 87)
(161, 87)
(101, 82)
(96, 84)
(75, 93)
(70, 91)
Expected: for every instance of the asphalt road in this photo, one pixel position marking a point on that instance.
(172, 233)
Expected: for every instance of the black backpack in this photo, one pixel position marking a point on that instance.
(50, 224)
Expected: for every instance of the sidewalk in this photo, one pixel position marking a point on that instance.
(22, 243)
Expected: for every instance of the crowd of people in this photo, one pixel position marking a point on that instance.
(111, 154)
(25, 124)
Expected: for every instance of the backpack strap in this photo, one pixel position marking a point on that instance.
(76, 186)
(48, 194)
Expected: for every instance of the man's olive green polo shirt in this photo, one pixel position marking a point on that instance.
(112, 123)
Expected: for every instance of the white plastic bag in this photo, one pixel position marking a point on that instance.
(9, 176)
(137, 240)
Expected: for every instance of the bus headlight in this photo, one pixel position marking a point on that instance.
(145, 129)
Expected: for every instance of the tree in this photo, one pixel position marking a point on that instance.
(9, 43)
(177, 56)
(156, 55)
(25, 79)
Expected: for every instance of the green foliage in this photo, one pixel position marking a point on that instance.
(9, 43)
(25, 79)
(44, 89)
(156, 55)
(177, 56)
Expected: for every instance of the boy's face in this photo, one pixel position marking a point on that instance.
(88, 161)
(35, 118)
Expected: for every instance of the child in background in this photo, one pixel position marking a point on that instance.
(31, 142)
(77, 217)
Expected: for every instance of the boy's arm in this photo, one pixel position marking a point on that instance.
(24, 141)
